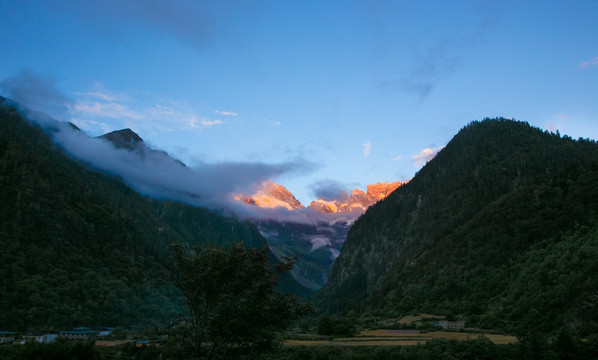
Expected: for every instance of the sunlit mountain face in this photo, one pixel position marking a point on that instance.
(271, 195)
(317, 242)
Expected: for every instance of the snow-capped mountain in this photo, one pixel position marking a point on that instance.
(271, 195)
(318, 242)
(358, 201)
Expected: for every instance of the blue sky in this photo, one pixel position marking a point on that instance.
(362, 90)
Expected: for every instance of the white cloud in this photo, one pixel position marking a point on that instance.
(208, 123)
(425, 155)
(107, 109)
(275, 123)
(100, 108)
(591, 62)
(225, 113)
(89, 124)
(367, 148)
(400, 157)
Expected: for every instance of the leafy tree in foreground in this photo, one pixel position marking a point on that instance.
(232, 299)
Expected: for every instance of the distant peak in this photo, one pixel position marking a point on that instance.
(125, 138)
(271, 195)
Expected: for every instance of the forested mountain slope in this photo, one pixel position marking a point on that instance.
(499, 229)
(79, 248)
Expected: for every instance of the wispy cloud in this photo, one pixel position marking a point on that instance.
(208, 123)
(99, 109)
(275, 123)
(436, 58)
(190, 21)
(107, 109)
(150, 112)
(89, 124)
(156, 174)
(194, 122)
(38, 92)
(367, 149)
(397, 158)
(591, 62)
(425, 155)
(225, 113)
(329, 190)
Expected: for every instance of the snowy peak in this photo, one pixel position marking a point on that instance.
(358, 201)
(271, 195)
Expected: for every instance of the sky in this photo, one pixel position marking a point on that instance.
(337, 94)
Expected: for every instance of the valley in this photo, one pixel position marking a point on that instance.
(498, 232)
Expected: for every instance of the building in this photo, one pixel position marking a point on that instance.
(107, 331)
(40, 337)
(451, 325)
(80, 333)
(7, 337)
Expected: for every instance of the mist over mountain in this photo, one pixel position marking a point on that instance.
(125, 155)
(500, 229)
(156, 174)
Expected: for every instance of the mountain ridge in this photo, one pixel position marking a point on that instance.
(271, 195)
(460, 236)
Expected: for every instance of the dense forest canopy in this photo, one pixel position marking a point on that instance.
(80, 248)
(499, 229)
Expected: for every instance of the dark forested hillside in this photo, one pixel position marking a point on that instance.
(78, 248)
(500, 229)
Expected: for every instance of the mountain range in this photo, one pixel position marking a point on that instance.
(318, 236)
(272, 195)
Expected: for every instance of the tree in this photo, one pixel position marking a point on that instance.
(232, 299)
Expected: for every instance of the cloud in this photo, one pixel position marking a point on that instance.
(156, 174)
(37, 92)
(194, 122)
(150, 113)
(444, 49)
(190, 21)
(87, 125)
(275, 123)
(397, 158)
(425, 155)
(208, 123)
(367, 148)
(591, 62)
(328, 190)
(225, 113)
(108, 109)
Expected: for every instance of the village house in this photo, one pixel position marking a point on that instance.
(80, 333)
(6, 337)
(40, 337)
(451, 325)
